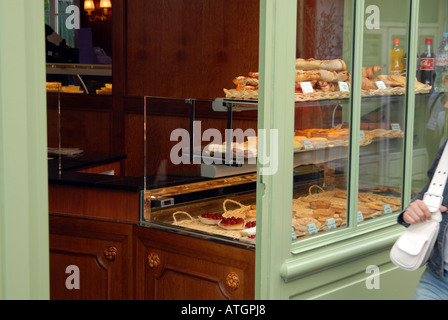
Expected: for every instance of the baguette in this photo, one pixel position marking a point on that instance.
(312, 64)
(322, 75)
(303, 76)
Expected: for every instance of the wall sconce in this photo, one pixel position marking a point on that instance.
(89, 6)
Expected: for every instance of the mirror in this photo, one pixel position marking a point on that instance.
(79, 46)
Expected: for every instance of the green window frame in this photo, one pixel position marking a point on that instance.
(276, 253)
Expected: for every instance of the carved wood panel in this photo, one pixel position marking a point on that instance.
(174, 267)
(90, 260)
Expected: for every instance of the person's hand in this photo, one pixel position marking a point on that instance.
(418, 212)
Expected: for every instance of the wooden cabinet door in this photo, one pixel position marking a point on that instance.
(175, 267)
(90, 260)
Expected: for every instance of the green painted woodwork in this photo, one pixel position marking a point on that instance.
(24, 249)
(336, 265)
(276, 112)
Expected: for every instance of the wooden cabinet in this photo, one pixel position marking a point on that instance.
(96, 255)
(117, 261)
(174, 267)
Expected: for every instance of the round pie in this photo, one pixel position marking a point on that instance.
(232, 223)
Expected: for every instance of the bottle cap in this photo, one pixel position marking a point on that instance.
(396, 41)
(428, 41)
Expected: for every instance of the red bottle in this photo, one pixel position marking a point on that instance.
(427, 64)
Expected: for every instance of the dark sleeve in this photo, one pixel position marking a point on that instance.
(422, 192)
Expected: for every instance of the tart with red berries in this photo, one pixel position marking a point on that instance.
(250, 224)
(210, 219)
(232, 223)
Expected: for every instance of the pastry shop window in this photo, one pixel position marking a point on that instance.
(361, 179)
(348, 139)
(322, 118)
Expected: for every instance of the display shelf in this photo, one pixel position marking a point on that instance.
(219, 167)
(237, 105)
(79, 69)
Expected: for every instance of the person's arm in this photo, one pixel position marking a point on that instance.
(418, 211)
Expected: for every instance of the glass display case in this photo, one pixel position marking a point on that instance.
(356, 113)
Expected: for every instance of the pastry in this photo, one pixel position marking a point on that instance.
(232, 223)
(255, 75)
(302, 224)
(368, 84)
(368, 72)
(324, 214)
(304, 76)
(210, 219)
(320, 204)
(251, 215)
(304, 213)
(339, 208)
(250, 232)
(246, 81)
(319, 143)
(312, 64)
(298, 145)
(250, 224)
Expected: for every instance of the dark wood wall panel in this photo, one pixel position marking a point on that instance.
(87, 130)
(189, 49)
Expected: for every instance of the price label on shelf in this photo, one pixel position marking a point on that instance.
(343, 86)
(363, 135)
(387, 209)
(380, 85)
(307, 87)
(331, 224)
(395, 127)
(307, 144)
(312, 229)
(360, 217)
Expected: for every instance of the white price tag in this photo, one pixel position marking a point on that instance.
(395, 127)
(380, 85)
(308, 145)
(343, 86)
(331, 224)
(307, 87)
(312, 229)
(387, 209)
(360, 217)
(363, 135)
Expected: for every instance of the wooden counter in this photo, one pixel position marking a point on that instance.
(94, 226)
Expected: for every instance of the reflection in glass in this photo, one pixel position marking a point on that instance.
(322, 113)
(383, 119)
(430, 109)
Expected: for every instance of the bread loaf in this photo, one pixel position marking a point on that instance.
(312, 64)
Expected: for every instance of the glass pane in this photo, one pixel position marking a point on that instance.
(322, 113)
(63, 4)
(383, 108)
(203, 180)
(47, 6)
(430, 114)
(64, 32)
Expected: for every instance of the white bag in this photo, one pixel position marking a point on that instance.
(414, 247)
(412, 250)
